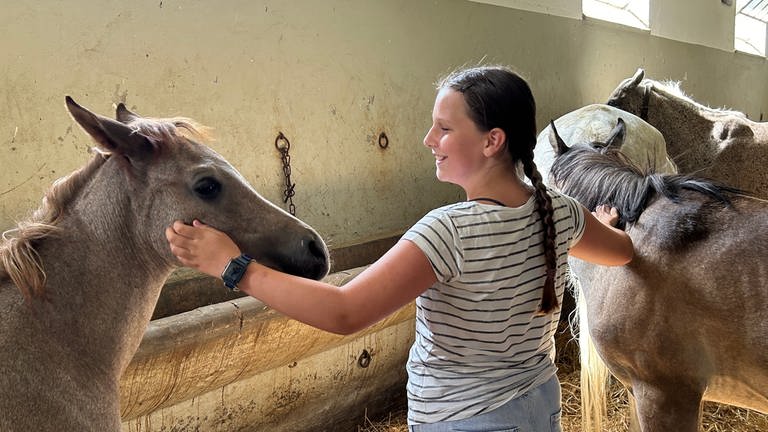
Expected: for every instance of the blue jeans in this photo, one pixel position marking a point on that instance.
(537, 410)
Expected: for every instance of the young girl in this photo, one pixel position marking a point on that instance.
(487, 273)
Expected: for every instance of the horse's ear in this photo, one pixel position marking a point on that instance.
(637, 78)
(124, 115)
(554, 139)
(616, 137)
(109, 134)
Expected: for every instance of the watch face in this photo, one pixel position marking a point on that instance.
(234, 271)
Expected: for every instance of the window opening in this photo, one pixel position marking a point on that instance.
(633, 13)
(751, 26)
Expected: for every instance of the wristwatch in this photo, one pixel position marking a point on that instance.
(234, 271)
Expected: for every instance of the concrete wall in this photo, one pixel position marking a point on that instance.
(563, 8)
(331, 75)
(708, 23)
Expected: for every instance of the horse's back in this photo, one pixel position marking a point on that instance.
(643, 144)
(718, 249)
(702, 299)
(742, 155)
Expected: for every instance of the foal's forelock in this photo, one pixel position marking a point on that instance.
(166, 130)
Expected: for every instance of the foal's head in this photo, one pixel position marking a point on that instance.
(631, 95)
(148, 173)
(643, 96)
(179, 178)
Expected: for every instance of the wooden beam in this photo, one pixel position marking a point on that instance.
(187, 355)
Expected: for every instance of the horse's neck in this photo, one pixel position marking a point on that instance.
(96, 299)
(681, 123)
(102, 283)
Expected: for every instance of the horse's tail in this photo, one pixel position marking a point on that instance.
(594, 374)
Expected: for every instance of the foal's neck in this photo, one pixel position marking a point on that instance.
(667, 115)
(97, 300)
(102, 280)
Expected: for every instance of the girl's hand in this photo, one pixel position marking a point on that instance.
(201, 247)
(607, 215)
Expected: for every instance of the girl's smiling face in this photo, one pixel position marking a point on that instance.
(454, 139)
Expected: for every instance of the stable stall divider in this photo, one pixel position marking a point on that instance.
(239, 365)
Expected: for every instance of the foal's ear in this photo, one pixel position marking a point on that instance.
(636, 79)
(616, 137)
(124, 115)
(554, 139)
(109, 134)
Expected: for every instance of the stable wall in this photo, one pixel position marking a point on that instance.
(709, 23)
(330, 75)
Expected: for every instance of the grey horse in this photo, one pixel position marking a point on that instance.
(685, 321)
(720, 144)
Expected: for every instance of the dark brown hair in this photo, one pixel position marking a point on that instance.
(497, 97)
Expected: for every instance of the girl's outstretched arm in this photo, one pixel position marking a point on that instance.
(396, 279)
(601, 243)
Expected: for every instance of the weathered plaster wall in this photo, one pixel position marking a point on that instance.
(331, 75)
(708, 23)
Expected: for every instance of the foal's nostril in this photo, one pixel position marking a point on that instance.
(316, 250)
(319, 262)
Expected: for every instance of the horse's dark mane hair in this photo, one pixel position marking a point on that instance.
(606, 176)
(18, 255)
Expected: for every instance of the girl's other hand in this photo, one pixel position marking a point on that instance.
(201, 247)
(607, 214)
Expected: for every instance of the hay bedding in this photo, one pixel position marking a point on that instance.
(716, 417)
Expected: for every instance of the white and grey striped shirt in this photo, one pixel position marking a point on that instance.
(478, 342)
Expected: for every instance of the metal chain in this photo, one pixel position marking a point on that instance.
(283, 145)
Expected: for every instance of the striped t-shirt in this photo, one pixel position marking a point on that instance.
(478, 342)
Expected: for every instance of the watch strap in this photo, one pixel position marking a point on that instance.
(235, 270)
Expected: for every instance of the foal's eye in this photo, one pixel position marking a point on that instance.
(207, 188)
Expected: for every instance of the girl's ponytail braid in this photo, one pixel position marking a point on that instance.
(497, 97)
(544, 208)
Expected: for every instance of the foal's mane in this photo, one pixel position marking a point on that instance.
(19, 260)
(606, 176)
(673, 90)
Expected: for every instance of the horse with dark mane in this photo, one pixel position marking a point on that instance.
(720, 144)
(685, 321)
(80, 278)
